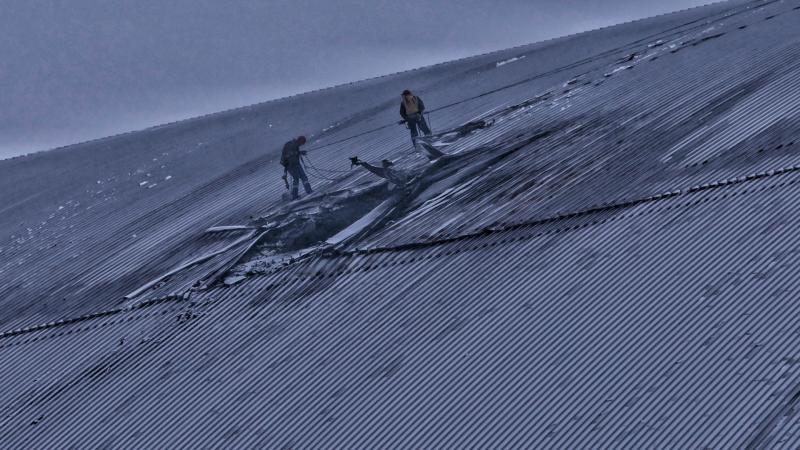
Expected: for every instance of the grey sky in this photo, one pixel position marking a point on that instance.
(73, 70)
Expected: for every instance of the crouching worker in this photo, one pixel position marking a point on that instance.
(395, 177)
(290, 160)
(411, 110)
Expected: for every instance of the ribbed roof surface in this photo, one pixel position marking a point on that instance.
(611, 264)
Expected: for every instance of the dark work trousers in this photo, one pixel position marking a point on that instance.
(415, 121)
(297, 173)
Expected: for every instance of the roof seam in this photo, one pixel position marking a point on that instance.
(92, 316)
(571, 215)
(87, 328)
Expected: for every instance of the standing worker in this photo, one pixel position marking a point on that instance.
(411, 110)
(290, 160)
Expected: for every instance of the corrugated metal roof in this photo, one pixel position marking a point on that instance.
(58, 231)
(621, 275)
(396, 349)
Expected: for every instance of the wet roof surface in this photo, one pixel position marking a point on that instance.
(610, 263)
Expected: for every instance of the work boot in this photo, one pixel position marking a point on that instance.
(295, 195)
(307, 186)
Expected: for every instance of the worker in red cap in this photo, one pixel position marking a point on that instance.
(290, 160)
(411, 110)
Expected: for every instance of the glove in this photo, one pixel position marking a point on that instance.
(303, 152)
(354, 161)
(401, 122)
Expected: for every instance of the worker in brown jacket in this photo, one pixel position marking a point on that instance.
(411, 110)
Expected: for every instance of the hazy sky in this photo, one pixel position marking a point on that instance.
(72, 70)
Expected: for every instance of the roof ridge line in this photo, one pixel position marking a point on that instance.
(259, 104)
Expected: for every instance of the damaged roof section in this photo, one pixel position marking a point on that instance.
(588, 143)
